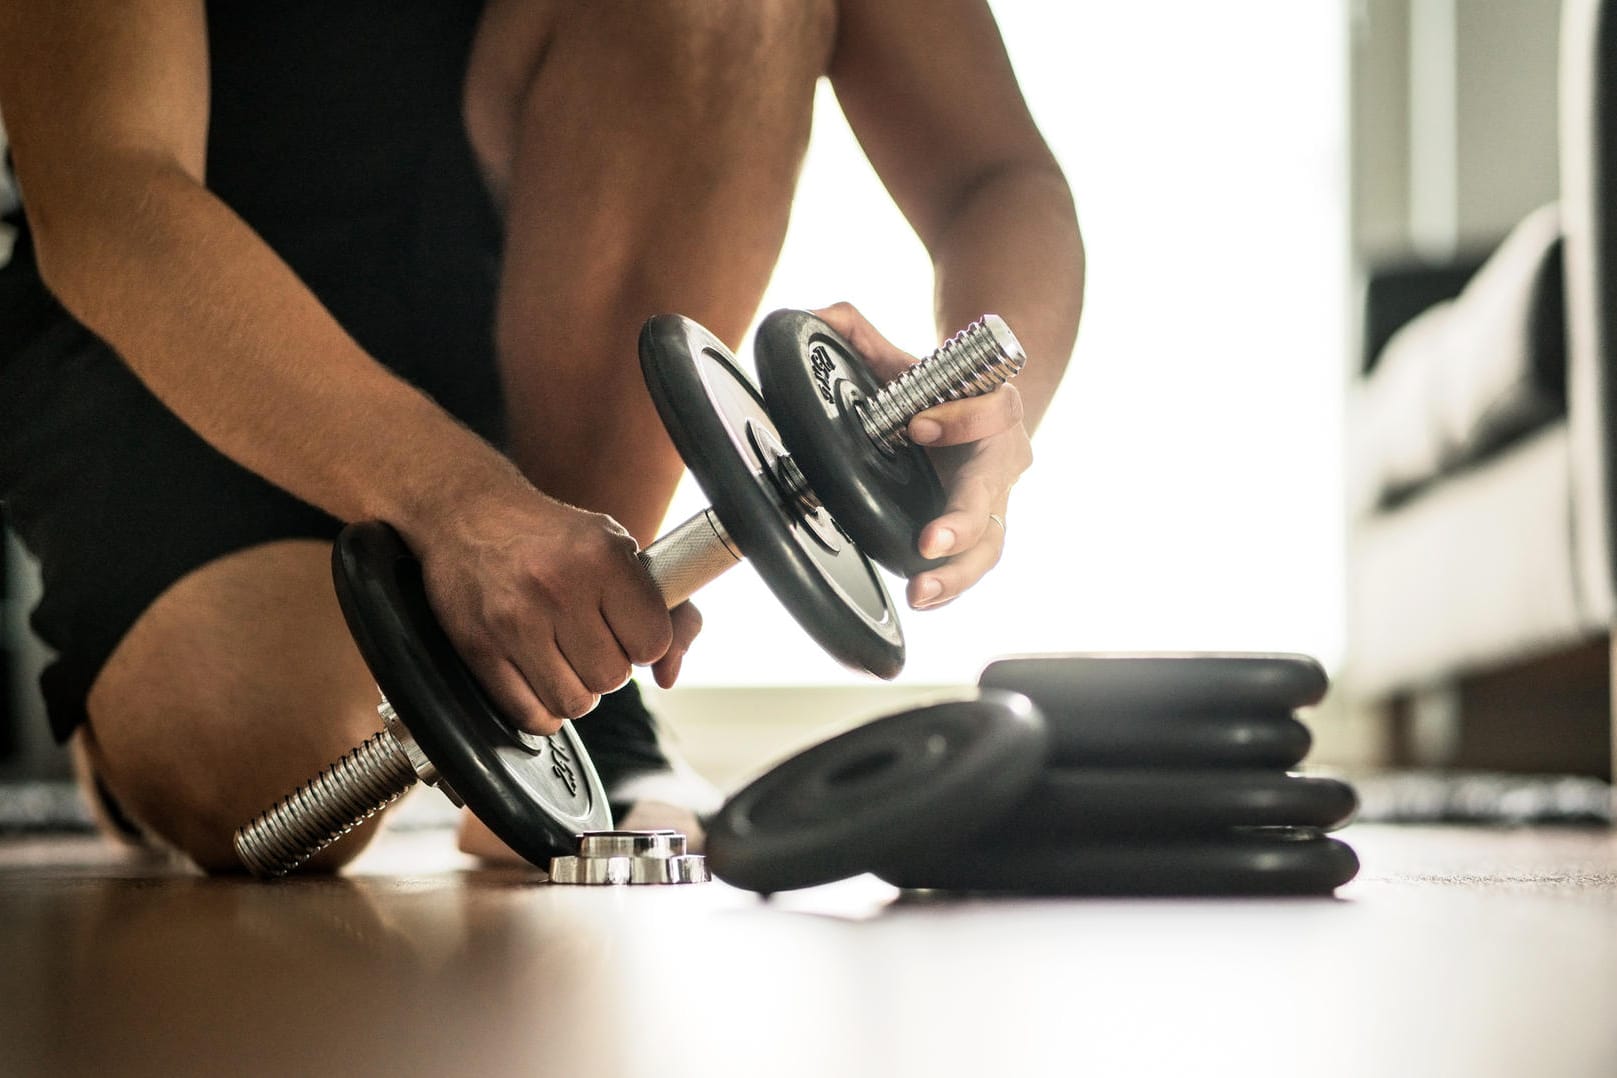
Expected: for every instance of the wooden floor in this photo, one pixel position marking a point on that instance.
(1457, 952)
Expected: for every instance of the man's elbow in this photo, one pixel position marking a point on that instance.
(88, 232)
(1029, 186)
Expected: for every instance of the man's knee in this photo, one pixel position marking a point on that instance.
(238, 684)
(194, 809)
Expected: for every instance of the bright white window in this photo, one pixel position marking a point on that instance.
(1186, 492)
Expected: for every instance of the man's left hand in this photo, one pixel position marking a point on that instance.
(980, 449)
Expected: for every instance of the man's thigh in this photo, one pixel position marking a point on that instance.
(238, 684)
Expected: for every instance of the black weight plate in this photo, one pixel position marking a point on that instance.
(716, 419)
(846, 805)
(1179, 683)
(535, 793)
(1081, 803)
(1286, 861)
(1118, 738)
(815, 384)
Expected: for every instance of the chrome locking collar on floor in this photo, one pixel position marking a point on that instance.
(630, 857)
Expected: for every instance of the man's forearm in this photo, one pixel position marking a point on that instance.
(1014, 249)
(223, 332)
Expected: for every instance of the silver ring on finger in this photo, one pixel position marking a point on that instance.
(997, 519)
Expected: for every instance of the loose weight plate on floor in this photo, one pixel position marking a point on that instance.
(536, 793)
(816, 386)
(726, 437)
(936, 773)
(1173, 683)
(1283, 861)
(1083, 802)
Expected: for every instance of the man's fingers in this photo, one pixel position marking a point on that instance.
(513, 696)
(640, 624)
(546, 669)
(638, 615)
(970, 420)
(938, 586)
(955, 533)
(687, 623)
(970, 533)
(972, 496)
(979, 478)
(594, 653)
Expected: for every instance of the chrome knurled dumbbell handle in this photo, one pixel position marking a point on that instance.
(684, 559)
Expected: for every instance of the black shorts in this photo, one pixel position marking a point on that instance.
(118, 499)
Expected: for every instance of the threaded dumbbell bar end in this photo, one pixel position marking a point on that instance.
(326, 807)
(977, 360)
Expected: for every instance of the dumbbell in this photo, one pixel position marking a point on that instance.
(844, 449)
(1073, 774)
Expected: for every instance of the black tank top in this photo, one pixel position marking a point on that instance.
(326, 115)
(335, 132)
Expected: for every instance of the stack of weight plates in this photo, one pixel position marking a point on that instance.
(1129, 775)
(1164, 774)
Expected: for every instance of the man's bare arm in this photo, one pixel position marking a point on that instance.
(930, 93)
(106, 106)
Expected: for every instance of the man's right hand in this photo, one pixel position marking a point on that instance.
(549, 605)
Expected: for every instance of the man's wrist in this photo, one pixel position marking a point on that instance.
(425, 481)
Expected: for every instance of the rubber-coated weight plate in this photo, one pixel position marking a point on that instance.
(1119, 738)
(1187, 683)
(815, 385)
(719, 424)
(1080, 803)
(1283, 862)
(849, 804)
(535, 793)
